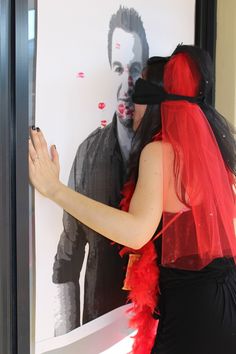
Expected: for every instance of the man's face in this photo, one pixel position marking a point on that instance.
(126, 65)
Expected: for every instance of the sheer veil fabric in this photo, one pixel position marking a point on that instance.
(202, 180)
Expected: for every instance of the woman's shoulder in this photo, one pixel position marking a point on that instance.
(151, 158)
(153, 145)
(157, 147)
(151, 151)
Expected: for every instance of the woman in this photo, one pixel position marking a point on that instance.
(182, 172)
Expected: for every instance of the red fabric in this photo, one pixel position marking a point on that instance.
(202, 180)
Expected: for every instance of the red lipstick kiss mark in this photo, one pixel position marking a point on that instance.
(121, 108)
(103, 123)
(101, 105)
(117, 45)
(80, 75)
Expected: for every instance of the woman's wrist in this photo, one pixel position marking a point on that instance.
(55, 191)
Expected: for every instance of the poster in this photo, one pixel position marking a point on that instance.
(89, 55)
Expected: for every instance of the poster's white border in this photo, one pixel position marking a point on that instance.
(87, 329)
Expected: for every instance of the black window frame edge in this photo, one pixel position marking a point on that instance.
(21, 172)
(206, 33)
(15, 331)
(14, 188)
(7, 186)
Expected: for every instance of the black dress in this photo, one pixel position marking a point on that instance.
(197, 309)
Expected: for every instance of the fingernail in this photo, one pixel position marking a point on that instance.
(33, 127)
(55, 147)
(38, 129)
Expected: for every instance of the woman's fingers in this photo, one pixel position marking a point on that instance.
(38, 149)
(32, 151)
(36, 143)
(55, 156)
(44, 145)
(31, 167)
(43, 168)
(40, 143)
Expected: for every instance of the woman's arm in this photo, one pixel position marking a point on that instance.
(132, 229)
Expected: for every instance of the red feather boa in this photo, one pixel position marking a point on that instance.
(143, 280)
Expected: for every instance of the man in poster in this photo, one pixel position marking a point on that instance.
(99, 171)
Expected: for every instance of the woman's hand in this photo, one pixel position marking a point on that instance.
(43, 169)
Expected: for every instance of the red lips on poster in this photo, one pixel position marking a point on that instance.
(121, 108)
(103, 123)
(101, 105)
(80, 75)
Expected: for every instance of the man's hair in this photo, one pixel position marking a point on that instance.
(129, 20)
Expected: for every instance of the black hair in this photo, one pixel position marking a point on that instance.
(130, 21)
(151, 121)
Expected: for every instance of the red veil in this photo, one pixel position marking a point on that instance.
(202, 179)
(203, 183)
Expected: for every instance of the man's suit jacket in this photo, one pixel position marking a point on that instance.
(97, 172)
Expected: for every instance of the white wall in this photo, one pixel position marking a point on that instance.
(226, 59)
